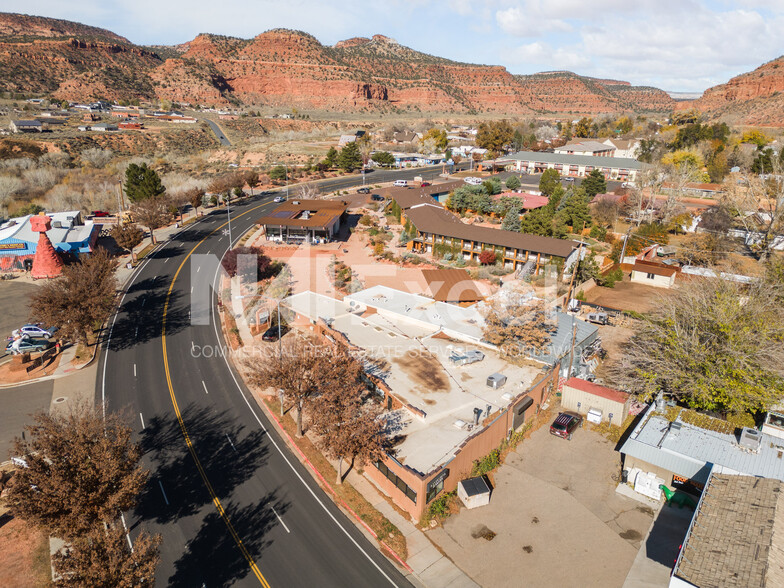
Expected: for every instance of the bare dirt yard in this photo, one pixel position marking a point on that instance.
(627, 295)
(553, 518)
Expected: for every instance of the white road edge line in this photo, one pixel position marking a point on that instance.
(230, 443)
(205, 387)
(142, 419)
(283, 455)
(280, 519)
(134, 370)
(163, 492)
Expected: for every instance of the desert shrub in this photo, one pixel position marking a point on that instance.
(487, 464)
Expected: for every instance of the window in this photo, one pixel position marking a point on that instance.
(436, 485)
(392, 477)
(650, 276)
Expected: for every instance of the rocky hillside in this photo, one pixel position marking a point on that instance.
(753, 98)
(564, 91)
(289, 69)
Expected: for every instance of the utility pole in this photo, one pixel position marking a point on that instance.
(625, 240)
(228, 214)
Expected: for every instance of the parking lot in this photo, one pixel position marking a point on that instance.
(14, 298)
(556, 517)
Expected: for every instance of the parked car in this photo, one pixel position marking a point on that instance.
(278, 199)
(29, 346)
(101, 213)
(363, 191)
(37, 331)
(401, 184)
(424, 184)
(565, 424)
(472, 181)
(377, 197)
(365, 170)
(274, 332)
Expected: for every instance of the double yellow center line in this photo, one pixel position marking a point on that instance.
(215, 500)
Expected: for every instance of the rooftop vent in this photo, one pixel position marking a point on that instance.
(477, 415)
(459, 424)
(57, 225)
(750, 439)
(675, 429)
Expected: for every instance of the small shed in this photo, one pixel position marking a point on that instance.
(474, 492)
(496, 380)
(584, 397)
(654, 275)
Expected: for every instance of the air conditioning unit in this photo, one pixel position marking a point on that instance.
(750, 439)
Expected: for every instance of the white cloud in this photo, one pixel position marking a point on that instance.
(518, 22)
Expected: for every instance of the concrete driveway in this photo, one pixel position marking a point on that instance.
(556, 517)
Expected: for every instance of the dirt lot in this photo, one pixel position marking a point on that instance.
(24, 554)
(627, 295)
(556, 518)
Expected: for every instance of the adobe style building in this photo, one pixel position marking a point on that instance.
(309, 221)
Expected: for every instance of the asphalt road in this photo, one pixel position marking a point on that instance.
(233, 506)
(19, 403)
(224, 140)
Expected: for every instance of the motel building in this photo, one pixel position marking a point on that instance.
(536, 162)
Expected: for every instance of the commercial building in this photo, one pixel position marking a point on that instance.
(27, 126)
(410, 196)
(69, 235)
(682, 452)
(736, 537)
(534, 162)
(592, 148)
(582, 396)
(310, 221)
(436, 227)
(441, 415)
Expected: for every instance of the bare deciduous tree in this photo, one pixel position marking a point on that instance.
(9, 187)
(127, 236)
(299, 371)
(97, 157)
(713, 344)
(102, 558)
(80, 471)
(516, 325)
(152, 213)
(80, 300)
(347, 423)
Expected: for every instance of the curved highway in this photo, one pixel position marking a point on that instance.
(233, 506)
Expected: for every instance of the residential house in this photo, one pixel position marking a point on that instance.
(404, 137)
(346, 139)
(26, 126)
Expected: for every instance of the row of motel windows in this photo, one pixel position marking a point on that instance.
(576, 168)
(433, 488)
(467, 246)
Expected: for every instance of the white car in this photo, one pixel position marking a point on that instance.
(278, 199)
(473, 181)
(37, 331)
(401, 184)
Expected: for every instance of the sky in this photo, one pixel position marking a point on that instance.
(676, 45)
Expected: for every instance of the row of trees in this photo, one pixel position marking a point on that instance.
(79, 473)
(326, 382)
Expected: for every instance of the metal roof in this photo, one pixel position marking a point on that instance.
(692, 450)
(563, 158)
(475, 486)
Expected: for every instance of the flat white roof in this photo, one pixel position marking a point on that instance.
(412, 358)
(459, 322)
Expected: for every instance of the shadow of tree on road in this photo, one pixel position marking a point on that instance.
(140, 318)
(227, 453)
(213, 558)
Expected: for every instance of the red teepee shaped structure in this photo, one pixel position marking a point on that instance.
(47, 262)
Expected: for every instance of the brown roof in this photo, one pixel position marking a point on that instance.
(429, 219)
(734, 539)
(451, 285)
(321, 213)
(407, 197)
(657, 270)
